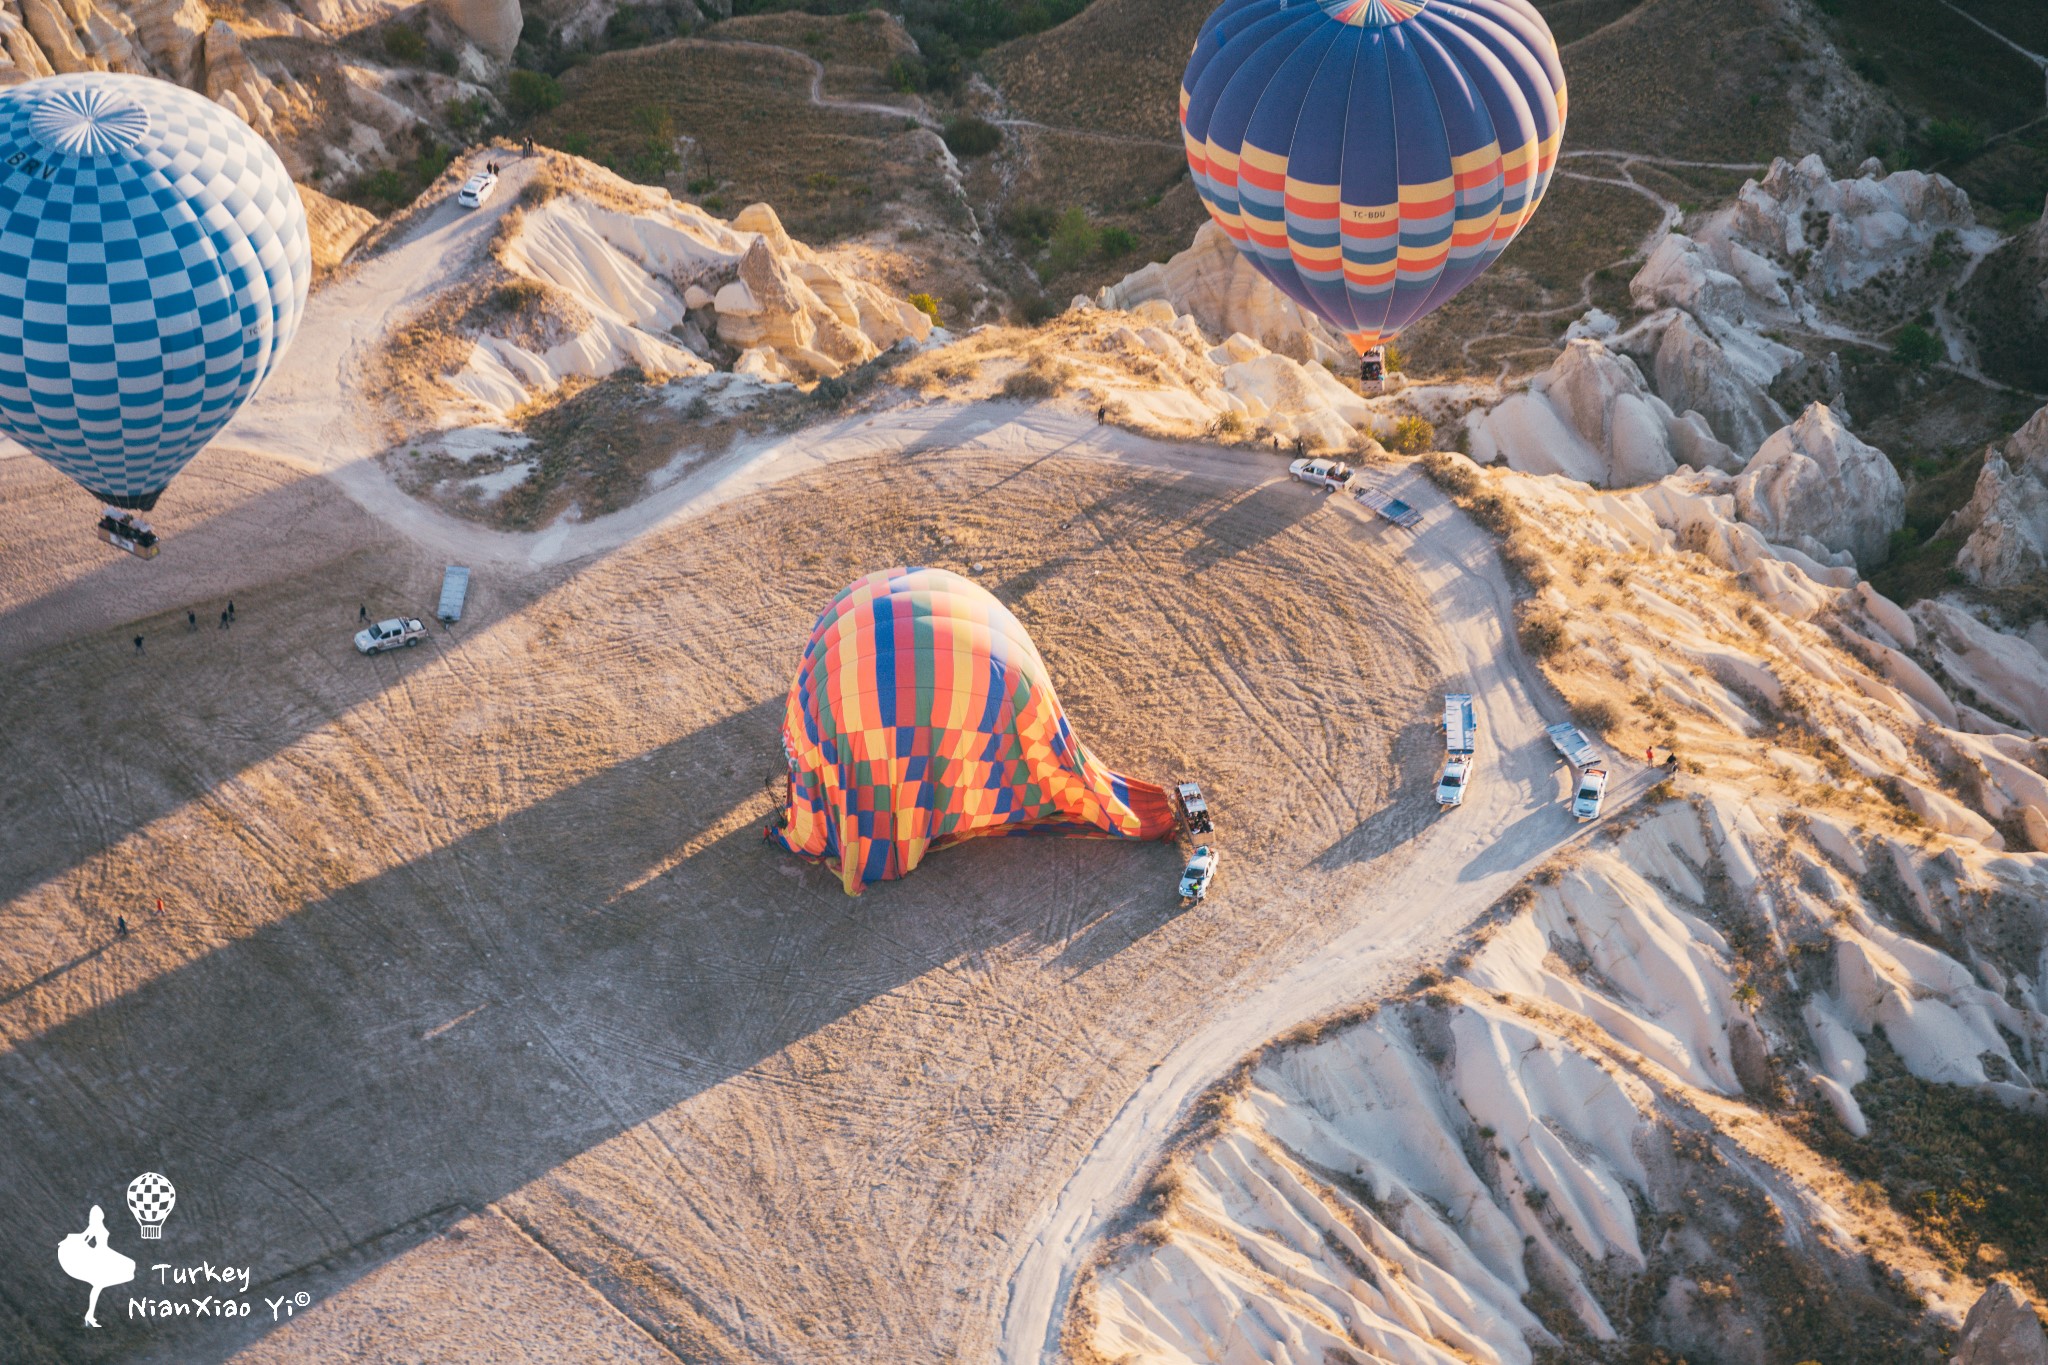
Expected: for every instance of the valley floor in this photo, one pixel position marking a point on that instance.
(472, 957)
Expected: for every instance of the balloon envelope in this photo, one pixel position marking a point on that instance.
(1371, 157)
(923, 715)
(154, 263)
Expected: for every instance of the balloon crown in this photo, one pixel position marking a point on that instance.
(1372, 13)
(88, 122)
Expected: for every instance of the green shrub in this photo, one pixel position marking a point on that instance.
(466, 115)
(927, 305)
(1115, 243)
(655, 155)
(1396, 362)
(539, 190)
(385, 189)
(1412, 435)
(405, 43)
(1952, 140)
(1917, 347)
(532, 92)
(1029, 225)
(971, 136)
(1073, 240)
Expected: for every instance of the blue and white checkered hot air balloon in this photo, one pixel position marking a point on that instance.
(154, 264)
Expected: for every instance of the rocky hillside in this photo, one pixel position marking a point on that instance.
(1763, 1062)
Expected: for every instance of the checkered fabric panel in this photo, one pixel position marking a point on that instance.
(923, 715)
(154, 264)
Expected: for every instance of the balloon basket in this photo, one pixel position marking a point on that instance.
(151, 1234)
(122, 530)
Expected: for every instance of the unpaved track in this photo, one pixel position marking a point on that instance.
(483, 938)
(478, 944)
(1510, 822)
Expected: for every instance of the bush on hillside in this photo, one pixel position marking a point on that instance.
(532, 92)
(1115, 243)
(1455, 476)
(1542, 633)
(971, 136)
(405, 43)
(1073, 240)
(1412, 435)
(1916, 346)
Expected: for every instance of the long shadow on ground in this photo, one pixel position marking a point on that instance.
(335, 1088)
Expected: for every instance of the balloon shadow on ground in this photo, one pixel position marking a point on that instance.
(338, 1086)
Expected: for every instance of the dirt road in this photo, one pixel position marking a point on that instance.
(477, 945)
(472, 956)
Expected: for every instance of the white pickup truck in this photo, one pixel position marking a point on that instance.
(1592, 791)
(1328, 475)
(398, 631)
(1461, 732)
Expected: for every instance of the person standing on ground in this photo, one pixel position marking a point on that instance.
(223, 620)
(362, 612)
(120, 926)
(231, 609)
(138, 644)
(191, 621)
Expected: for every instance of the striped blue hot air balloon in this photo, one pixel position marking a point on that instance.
(1371, 157)
(154, 264)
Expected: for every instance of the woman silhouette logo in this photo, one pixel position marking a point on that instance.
(86, 1256)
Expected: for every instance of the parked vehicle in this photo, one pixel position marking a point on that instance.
(476, 190)
(1328, 475)
(1192, 809)
(454, 592)
(1194, 881)
(399, 631)
(1461, 733)
(1592, 790)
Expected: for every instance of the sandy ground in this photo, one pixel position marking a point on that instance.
(472, 956)
(485, 931)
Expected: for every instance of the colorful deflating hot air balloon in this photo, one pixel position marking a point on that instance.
(1371, 157)
(923, 715)
(154, 263)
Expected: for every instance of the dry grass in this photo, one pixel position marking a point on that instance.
(1115, 68)
(854, 49)
(827, 172)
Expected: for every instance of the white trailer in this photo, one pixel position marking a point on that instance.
(454, 591)
(1571, 741)
(1461, 733)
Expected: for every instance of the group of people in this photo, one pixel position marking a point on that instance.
(227, 618)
